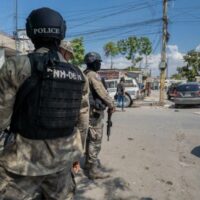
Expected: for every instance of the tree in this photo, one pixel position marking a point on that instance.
(111, 50)
(133, 68)
(176, 76)
(192, 67)
(145, 47)
(134, 48)
(129, 48)
(79, 51)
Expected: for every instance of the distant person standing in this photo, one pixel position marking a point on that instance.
(121, 93)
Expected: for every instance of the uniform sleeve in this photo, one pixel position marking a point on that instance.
(11, 77)
(83, 122)
(97, 85)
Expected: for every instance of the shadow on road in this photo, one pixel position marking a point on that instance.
(113, 188)
(196, 151)
(185, 107)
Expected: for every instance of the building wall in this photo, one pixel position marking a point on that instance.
(24, 45)
(6, 41)
(8, 44)
(2, 57)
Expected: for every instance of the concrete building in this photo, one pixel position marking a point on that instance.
(8, 45)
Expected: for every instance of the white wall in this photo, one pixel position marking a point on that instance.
(6, 41)
(2, 57)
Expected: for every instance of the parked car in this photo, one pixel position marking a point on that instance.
(131, 90)
(187, 94)
(171, 91)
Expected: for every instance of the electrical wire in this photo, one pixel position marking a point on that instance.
(108, 29)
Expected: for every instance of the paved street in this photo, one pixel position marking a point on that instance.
(153, 154)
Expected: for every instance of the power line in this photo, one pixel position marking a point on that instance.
(119, 12)
(185, 20)
(108, 29)
(109, 10)
(127, 34)
(123, 33)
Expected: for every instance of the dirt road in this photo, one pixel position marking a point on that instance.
(154, 154)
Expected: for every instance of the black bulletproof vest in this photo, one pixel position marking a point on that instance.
(48, 103)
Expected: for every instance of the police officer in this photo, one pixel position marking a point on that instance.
(43, 100)
(99, 100)
(67, 52)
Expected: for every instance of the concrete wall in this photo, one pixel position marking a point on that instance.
(9, 44)
(2, 57)
(6, 41)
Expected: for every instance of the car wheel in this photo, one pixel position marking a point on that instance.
(177, 106)
(127, 101)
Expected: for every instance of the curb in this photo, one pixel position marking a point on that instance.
(197, 113)
(151, 103)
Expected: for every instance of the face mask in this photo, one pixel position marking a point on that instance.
(97, 65)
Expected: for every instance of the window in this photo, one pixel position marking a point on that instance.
(129, 83)
(188, 87)
(111, 84)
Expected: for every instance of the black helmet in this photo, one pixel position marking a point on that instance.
(45, 23)
(122, 79)
(91, 57)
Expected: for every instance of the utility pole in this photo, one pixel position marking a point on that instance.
(163, 63)
(167, 69)
(16, 27)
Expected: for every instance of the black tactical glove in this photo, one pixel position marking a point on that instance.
(99, 105)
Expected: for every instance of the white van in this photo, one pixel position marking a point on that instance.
(131, 89)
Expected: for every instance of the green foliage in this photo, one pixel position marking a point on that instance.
(133, 69)
(134, 48)
(111, 50)
(128, 47)
(79, 51)
(145, 46)
(122, 46)
(138, 59)
(192, 67)
(176, 76)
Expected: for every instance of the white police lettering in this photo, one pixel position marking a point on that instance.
(62, 74)
(46, 30)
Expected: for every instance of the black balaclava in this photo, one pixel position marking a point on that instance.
(95, 66)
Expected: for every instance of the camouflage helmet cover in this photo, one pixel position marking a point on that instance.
(66, 45)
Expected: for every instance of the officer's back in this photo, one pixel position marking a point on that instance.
(44, 95)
